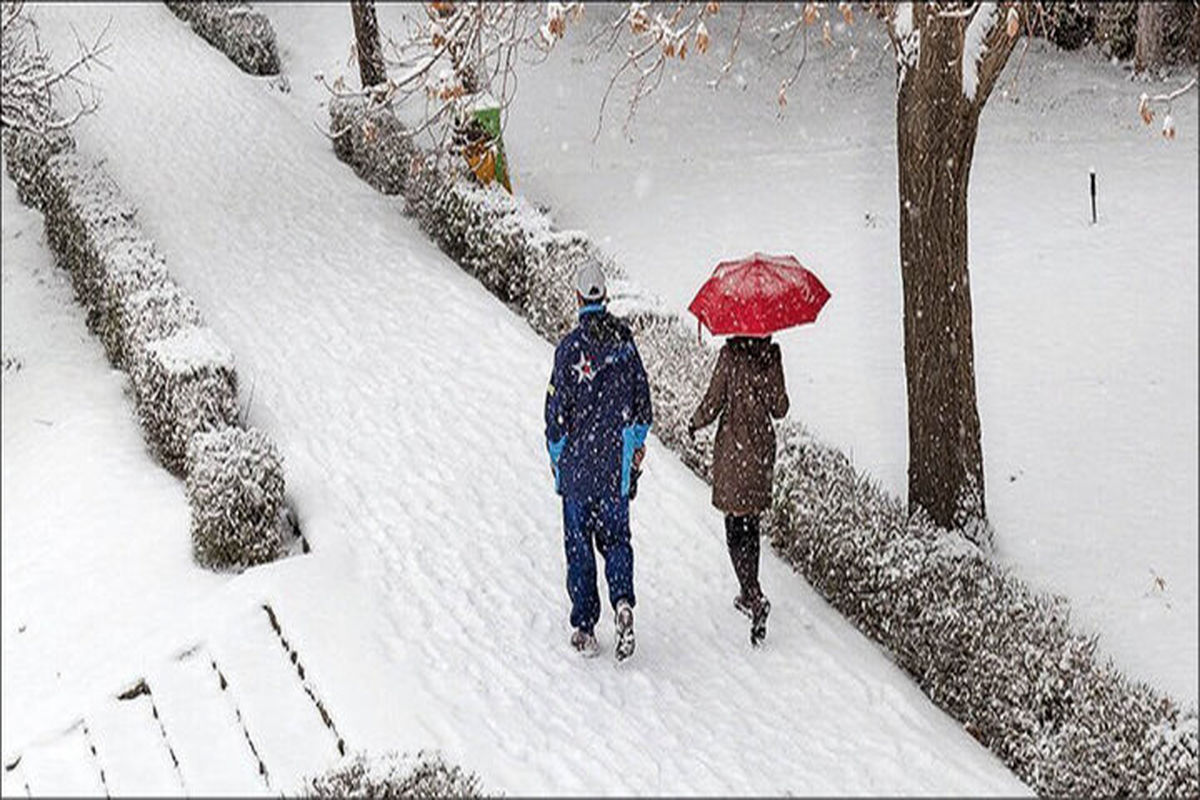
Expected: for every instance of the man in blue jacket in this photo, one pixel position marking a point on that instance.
(597, 417)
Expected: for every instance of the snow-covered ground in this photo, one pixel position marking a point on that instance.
(432, 610)
(1085, 336)
(93, 527)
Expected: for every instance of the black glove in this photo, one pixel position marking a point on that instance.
(634, 474)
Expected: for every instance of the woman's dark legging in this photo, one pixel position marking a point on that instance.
(741, 535)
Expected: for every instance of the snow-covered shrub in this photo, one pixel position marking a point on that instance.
(502, 240)
(996, 656)
(1116, 27)
(183, 375)
(241, 33)
(85, 213)
(1070, 24)
(480, 227)
(140, 318)
(1001, 659)
(679, 367)
(549, 305)
(391, 775)
(235, 489)
(129, 268)
(1174, 759)
(26, 153)
(185, 384)
(374, 145)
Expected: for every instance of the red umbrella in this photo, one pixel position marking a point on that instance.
(758, 295)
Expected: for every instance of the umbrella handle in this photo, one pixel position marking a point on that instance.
(699, 333)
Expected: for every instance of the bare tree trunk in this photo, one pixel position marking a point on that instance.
(1150, 49)
(936, 126)
(1193, 38)
(366, 37)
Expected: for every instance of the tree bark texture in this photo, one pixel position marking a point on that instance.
(371, 70)
(936, 130)
(1151, 46)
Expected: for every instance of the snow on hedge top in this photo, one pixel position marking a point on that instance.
(512, 212)
(133, 264)
(89, 186)
(973, 46)
(191, 349)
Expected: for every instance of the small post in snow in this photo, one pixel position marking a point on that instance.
(1092, 175)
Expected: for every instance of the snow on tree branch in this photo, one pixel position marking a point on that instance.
(999, 44)
(1146, 107)
(974, 45)
(988, 32)
(28, 80)
(906, 38)
(659, 33)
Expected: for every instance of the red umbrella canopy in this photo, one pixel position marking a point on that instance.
(758, 295)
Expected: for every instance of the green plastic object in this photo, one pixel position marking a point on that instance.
(489, 118)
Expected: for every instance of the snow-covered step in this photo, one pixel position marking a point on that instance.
(203, 729)
(131, 748)
(64, 766)
(289, 733)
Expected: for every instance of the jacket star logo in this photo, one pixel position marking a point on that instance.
(583, 368)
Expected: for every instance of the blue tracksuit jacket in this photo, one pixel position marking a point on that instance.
(597, 407)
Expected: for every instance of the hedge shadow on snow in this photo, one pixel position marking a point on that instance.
(1000, 658)
(183, 376)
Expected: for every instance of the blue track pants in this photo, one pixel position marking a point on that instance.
(604, 522)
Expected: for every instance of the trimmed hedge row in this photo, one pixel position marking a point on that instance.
(183, 376)
(503, 241)
(426, 775)
(998, 657)
(241, 33)
(235, 485)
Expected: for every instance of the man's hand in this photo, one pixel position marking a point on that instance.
(638, 455)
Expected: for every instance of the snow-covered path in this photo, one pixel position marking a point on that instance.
(1086, 336)
(407, 402)
(1086, 346)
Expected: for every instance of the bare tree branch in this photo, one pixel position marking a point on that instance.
(28, 80)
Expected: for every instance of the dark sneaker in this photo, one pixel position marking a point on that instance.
(625, 643)
(758, 622)
(585, 643)
(743, 605)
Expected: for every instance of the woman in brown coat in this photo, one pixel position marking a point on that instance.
(747, 391)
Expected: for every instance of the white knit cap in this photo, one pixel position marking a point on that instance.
(589, 282)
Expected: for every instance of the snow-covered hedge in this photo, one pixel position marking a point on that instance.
(26, 154)
(998, 657)
(374, 145)
(391, 775)
(241, 33)
(182, 373)
(85, 214)
(235, 488)
(995, 655)
(141, 305)
(185, 385)
(502, 240)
